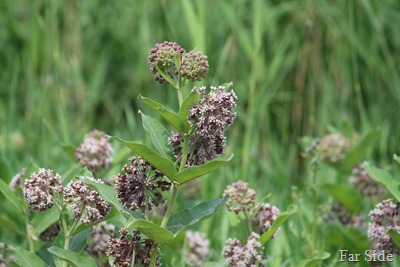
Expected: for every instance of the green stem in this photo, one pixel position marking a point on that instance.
(28, 233)
(154, 253)
(170, 206)
(133, 258)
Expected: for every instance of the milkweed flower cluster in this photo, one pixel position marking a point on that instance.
(198, 248)
(238, 255)
(98, 239)
(39, 189)
(164, 56)
(95, 151)
(266, 215)
(122, 248)
(171, 59)
(210, 117)
(384, 217)
(345, 217)
(334, 147)
(194, 66)
(241, 197)
(363, 182)
(5, 255)
(51, 232)
(86, 203)
(140, 186)
(17, 179)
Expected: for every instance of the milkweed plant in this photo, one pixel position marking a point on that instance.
(88, 220)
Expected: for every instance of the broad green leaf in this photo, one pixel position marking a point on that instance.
(43, 220)
(170, 116)
(355, 155)
(348, 197)
(108, 194)
(396, 158)
(28, 259)
(395, 237)
(193, 172)
(316, 260)
(221, 263)
(282, 217)
(153, 231)
(193, 215)
(384, 178)
(12, 226)
(190, 100)
(164, 165)
(11, 197)
(159, 135)
(73, 258)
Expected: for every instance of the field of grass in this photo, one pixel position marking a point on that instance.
(299, 68)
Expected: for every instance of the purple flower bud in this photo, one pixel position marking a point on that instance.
(194, 66)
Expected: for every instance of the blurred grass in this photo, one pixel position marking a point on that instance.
(69, 66)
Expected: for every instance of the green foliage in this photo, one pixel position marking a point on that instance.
(152, 231)
(194, 172)
(163, 164)
(384, 178)
(319, 257)
(282, 217)
(348, 197)
(193, 215)
(27, 258)
(73, 258)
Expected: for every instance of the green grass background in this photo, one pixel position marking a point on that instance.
(298, 67)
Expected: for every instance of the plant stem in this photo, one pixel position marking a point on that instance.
(154, 253)
(28, 233)
(133, 258)
(170, 206)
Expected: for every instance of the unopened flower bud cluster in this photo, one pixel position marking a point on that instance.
(198, 248)
(171, 59)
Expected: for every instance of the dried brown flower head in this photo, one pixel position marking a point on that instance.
(141, 186)
(122, 248)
